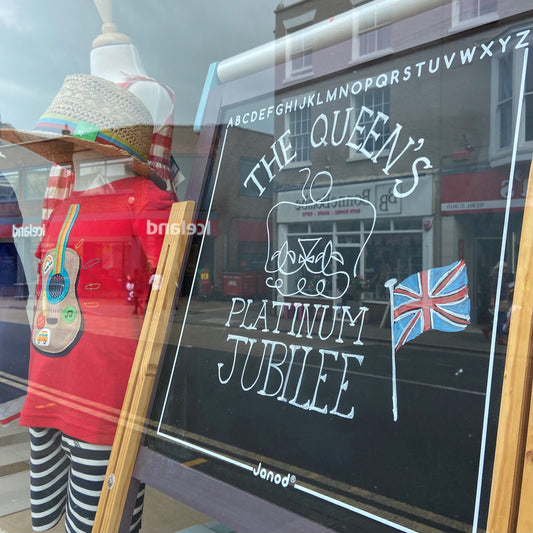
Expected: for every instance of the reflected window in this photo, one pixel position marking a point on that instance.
(300, 126)
(505, 100)
(377, 101)
(301, 54)
(470, 9)
(35, 182)
(298, 228)
(528, 99)
(506, 88)
(407, 223)
(374, 32)
(309, 277)
(299, 45)
(7, 193)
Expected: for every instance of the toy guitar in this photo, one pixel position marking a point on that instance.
(58, 322)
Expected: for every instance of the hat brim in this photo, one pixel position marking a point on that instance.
(60, 148)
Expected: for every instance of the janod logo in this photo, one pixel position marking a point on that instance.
(273, 477)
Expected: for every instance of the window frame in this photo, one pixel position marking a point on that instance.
(499, 154)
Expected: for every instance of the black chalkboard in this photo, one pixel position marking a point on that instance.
(335, 204)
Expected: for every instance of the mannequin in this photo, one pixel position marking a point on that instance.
(90, 336)
(114, 57)
(84, 329)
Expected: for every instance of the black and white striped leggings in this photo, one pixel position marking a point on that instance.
(66, 476)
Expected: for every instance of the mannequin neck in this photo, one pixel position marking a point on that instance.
(112, 62)
(115, 62)
(93, 170)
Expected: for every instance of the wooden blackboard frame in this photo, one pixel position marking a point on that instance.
(512, 478)
(511, 503)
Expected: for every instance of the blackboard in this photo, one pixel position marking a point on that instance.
(284, 390)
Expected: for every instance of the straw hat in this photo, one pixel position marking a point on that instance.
(90, 112)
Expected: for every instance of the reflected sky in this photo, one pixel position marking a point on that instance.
(42, 41)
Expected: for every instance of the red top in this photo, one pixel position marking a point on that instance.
(85, 331)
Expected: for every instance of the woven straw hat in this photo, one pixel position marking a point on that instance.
(90, 112)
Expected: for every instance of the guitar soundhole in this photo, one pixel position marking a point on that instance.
(56, 286)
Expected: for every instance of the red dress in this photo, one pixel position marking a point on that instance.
(84, 333)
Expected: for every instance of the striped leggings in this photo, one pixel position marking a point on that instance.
(66, 476)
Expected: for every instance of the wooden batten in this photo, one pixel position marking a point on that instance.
(143, 373)
(515, 409)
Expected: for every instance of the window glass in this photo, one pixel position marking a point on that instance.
(297, 232)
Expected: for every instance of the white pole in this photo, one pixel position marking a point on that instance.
(390, 285)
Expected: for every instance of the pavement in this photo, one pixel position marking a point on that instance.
(163, 514)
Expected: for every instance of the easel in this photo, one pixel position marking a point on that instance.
(511, 508)
(143, 373)
(511, 500)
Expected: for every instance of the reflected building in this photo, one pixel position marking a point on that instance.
(424, 133)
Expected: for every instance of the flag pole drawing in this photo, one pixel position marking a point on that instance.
(432, 299)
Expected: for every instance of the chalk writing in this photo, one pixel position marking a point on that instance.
(314, 267)
(310, 267)
(322, 134)
(430, 66)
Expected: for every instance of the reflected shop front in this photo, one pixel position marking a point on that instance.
(279, 279)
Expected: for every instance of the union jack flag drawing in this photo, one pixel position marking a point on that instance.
(433, 299)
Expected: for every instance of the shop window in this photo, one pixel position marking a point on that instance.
(506, 88)
(377, 100)
(299, 123)
(319, 227)
(299, 227)
(348, 226)
(528, 99)
(391, 255)
(468, 11)
(406, 224)
(383, 224)
(504, 107)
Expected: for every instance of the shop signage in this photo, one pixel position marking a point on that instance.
(27, 230)
(479, 192)
(357, 200)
